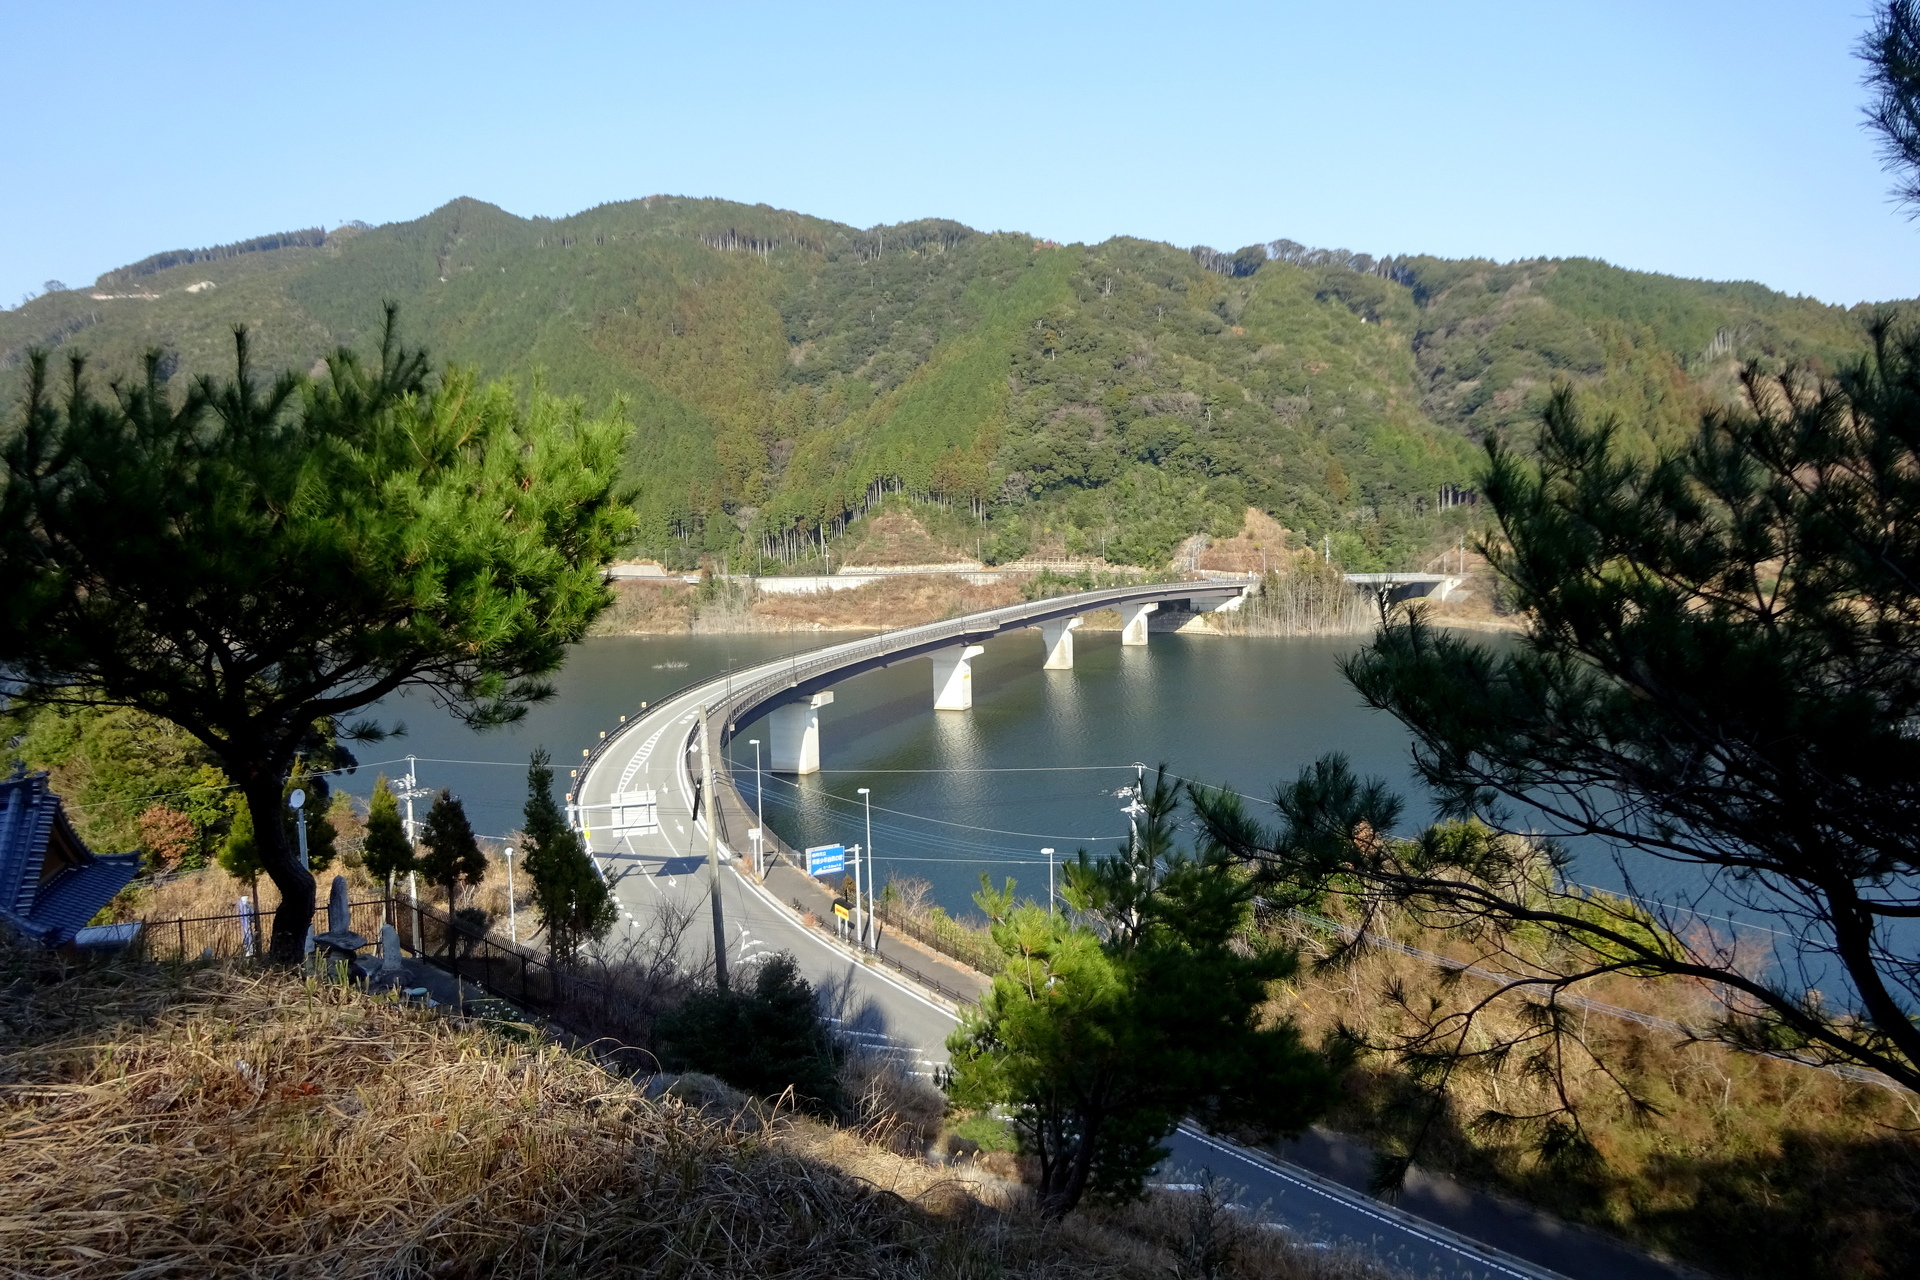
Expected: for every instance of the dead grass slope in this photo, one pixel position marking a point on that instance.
(1748, 1165)
(221, 1122)
(894, 538)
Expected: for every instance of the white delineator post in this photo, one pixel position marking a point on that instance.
(1057, 637)
(953, 677)
(794, 733)
(1133, 629)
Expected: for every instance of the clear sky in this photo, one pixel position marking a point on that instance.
(1698, 137)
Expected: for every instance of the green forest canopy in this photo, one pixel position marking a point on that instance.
(783, 372)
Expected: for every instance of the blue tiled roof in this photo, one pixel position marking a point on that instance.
(30, 818)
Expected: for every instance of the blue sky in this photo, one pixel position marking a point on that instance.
(1694, 137)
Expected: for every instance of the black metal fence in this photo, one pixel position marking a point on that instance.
(507, 970)
(943, 934)
(231, 937)
(511, 972)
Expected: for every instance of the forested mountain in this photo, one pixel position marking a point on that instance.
(783, 373)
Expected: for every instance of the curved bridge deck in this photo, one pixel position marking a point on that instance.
(667, 731)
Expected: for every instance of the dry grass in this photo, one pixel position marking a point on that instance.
(1749, 1165)
(1260, 546)
(896, 538)
(208, 1121)
(212, 892)
(643, 608)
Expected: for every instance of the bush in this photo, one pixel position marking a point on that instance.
(765, 1041)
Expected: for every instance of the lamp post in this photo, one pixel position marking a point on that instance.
(298, 803)
(759, 813)
(513, 923)
(1049, 854)
(867, 796)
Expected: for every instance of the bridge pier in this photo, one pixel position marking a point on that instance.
(1133, 619)
(1057, 638)
(793, 733)
(953, 677)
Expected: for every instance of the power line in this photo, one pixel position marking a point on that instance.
(966, 826)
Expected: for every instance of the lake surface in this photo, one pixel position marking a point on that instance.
(1034, 764)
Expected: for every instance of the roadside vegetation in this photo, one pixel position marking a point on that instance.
(1741, 1163)
(223, 1121)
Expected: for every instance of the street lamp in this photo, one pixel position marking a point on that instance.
(513, 924)
(1049, 854)
(298, 803)
(867, 919)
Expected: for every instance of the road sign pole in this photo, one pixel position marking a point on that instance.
(713, 846)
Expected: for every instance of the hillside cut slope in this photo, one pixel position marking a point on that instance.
(784, 373)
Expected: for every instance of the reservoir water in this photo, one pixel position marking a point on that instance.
(1034, 764)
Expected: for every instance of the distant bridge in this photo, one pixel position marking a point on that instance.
(1407, 586)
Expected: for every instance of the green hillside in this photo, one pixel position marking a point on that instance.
(784, 373)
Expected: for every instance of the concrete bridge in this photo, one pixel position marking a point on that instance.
(795, 691)
(1406, 586)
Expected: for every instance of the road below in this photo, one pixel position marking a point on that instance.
(655, 855)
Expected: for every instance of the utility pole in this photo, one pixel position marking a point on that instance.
(860, 921)
(1049, 854)
(413, 880)
(713, 846)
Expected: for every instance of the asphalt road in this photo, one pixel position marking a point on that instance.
(660, 872)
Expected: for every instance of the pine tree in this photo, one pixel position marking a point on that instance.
(573, 901)
(239, 854)
(386, 853)
(452, 854)
(1099, 1042)
(246, 559)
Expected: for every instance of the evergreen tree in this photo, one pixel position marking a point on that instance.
(452, 855)
(386, 853)
(764, 1041)
(246, 561)
(573, 901)
(1721, 673)
(1101, 1041)
(239, 854)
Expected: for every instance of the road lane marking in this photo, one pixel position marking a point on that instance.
(1419, 1228)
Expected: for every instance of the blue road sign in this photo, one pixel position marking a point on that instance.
(826, 859)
